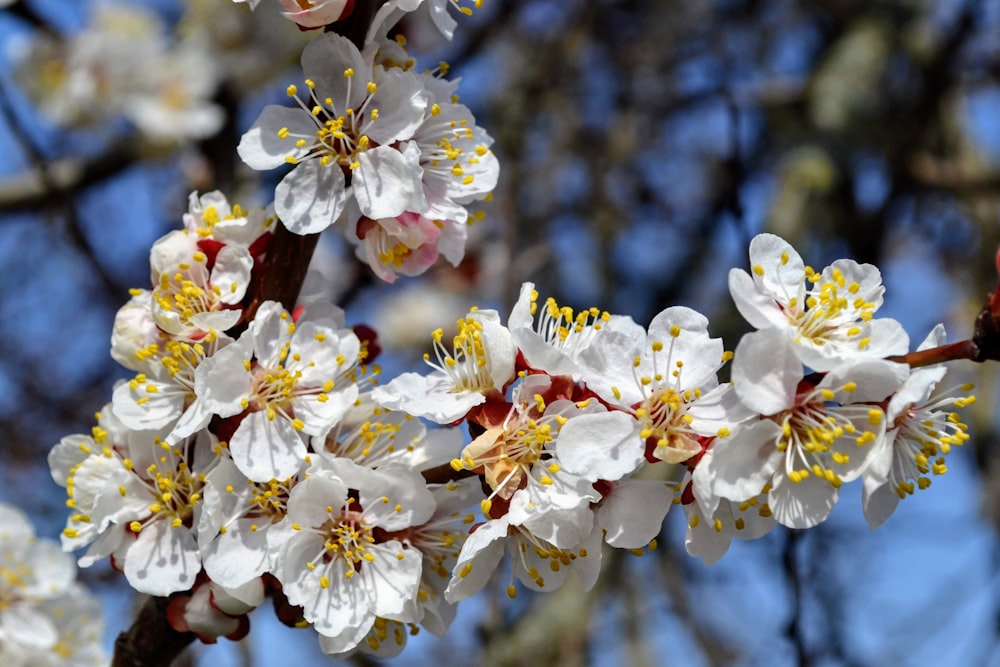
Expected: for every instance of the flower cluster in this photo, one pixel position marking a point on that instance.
(256, 453)
(122, 64)
(385, 151)
(46, 617)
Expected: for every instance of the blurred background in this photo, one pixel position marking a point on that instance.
(642, 145)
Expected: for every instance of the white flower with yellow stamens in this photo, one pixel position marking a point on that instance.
(530, 454)
(830, 321)
(358, 120)
(666, 379)
(164, 396)
(553, 339)
(31, 571)
(481, 361)
(211, 217)
(292, 379)
(140, 501)
(237, 518)
(343, 564)
(824, 434)
(195, 294)
(536, 562)
(922, 429)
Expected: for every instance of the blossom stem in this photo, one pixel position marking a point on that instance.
(966, 349)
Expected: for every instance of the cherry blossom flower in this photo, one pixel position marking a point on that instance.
(712, 527)
(481, 361)
(553, 342)
(922, 429)
(826, 432)
(342, 565)
(164, 396)
(830, 321)
(236, 522)
(215, 223)
(527, 454)
(666, 379)
(535, 562)
(407, 244)
(316, 14)
(290, 380)
(194, 294)
(136, 499)
(357, 121)
(373, 436)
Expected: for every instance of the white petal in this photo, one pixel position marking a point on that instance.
(600, 446)
(801, 505)
(632, 514)
(742, 464)
(757, 307)
(260, 148)
(265, 449)
(766, 371)
(388, 182)
(163, 560)
(310, 197)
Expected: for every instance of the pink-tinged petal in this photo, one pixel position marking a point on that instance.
(310, 197)
(261, 148)
(600, 446)
(740, 466)
(757, 307)
(632, 513)
(163, 560)
(321, 14)
(766, 371)
(388, 182)
(265, 449)
(801, 505)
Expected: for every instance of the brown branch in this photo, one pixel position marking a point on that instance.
(150, 642)
(966, 349)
